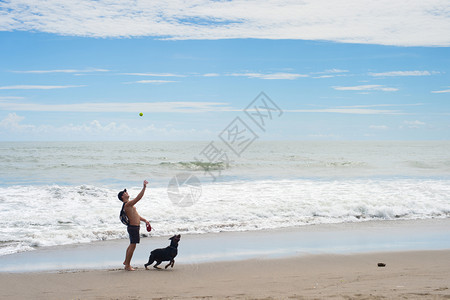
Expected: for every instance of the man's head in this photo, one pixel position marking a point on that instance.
(123, 195)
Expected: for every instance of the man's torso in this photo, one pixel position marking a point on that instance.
(133, 215)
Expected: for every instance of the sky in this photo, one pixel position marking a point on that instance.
(335, 70)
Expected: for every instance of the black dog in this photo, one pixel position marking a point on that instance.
(164, 254)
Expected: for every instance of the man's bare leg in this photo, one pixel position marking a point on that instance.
(128, 256)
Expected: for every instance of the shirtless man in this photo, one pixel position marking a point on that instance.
(135, 219)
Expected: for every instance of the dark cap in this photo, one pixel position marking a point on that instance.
(121, 194)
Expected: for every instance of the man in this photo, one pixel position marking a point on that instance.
(133, 227)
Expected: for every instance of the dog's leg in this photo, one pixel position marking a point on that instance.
(170, 264)
(150, 261)
(158, 262)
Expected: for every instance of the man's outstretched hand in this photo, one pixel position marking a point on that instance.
(145, 183)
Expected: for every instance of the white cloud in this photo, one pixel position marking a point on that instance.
(155, 81)
(401, 22)
(211, 75)
(272, 76)
(94, 127)
(379, 127)
(113, 129)
(133, 107)
(335, 71)
(13, 125)
(402, 73)
(413, 124)
(359, 109)
(372, 87)
(383, 105)
(325, 76)
(38, 87)
(154, 74)
(355, 111)
(441, 91)
(61, 71)
(332, 71)
(10, 98)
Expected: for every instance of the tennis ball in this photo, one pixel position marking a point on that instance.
(141, 114)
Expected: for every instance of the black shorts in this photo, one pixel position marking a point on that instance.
(133, 231)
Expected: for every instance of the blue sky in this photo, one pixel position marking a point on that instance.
(383, 73)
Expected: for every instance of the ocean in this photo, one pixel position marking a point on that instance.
(59, 193)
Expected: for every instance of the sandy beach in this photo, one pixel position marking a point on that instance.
(334, 261)
(407, 275)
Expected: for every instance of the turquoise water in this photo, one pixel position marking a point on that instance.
(116, 163)
(61, 193)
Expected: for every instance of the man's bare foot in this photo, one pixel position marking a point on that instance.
(129, 268)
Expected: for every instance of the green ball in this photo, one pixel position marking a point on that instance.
(141, 114)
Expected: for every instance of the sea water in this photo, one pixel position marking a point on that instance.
(57, 193)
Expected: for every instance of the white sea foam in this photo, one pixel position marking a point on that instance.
(39, 216)
(64, 193)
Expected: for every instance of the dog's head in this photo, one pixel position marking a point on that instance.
(176, 238)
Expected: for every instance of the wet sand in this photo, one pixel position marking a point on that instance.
(335, 261)
(408, 275)
(347, 238)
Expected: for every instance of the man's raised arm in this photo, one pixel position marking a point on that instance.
(139, 196)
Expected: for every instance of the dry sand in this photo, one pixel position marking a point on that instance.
(407, 275)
